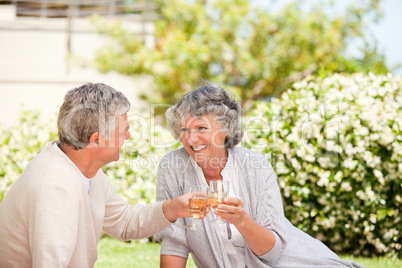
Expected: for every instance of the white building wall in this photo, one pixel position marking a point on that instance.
(35, 71)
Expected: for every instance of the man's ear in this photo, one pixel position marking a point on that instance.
(94, 140)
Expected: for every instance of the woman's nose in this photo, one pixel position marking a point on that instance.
(192, 136)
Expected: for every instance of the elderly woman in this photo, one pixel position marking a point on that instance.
(207, 122)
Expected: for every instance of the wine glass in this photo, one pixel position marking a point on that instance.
(197, 205)
(218, 191)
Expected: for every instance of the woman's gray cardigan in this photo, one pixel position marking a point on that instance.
(262, 201)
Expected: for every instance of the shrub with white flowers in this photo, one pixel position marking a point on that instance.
(336, 146)
(20, 143)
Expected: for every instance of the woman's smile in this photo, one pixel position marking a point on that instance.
(199, 147)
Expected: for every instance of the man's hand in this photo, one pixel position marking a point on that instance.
(177, 208)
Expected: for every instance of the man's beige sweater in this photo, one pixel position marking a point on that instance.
(48, 219)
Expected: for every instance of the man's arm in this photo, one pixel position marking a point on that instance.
(53, 227)
(176, 208)
(125, 221)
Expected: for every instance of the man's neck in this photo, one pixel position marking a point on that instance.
(83, 159)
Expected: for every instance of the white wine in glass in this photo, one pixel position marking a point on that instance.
(218, 191)
(197, 205)
(216, 198)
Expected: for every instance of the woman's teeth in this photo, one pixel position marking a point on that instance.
(199, 148)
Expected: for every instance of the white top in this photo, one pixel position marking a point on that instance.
(48, 219)
(85, 180)
(236, 245)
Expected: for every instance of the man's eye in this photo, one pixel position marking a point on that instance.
(202, 128)
(184, 129)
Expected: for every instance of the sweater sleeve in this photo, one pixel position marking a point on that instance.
(125, 221)
(267, 209)
(173, 238)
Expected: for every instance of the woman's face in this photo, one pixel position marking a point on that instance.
(203, 139)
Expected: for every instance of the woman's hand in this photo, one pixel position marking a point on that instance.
(232, 210)
(260, 239)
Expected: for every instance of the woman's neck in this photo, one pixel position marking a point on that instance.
(212, 168)
(212, 174)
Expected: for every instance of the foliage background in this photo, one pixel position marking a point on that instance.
(335, 143)
(248, 50)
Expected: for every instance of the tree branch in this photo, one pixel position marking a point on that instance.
(298, 76)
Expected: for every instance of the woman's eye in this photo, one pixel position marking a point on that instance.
(184, 129)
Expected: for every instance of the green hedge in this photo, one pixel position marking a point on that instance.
(20, 143)
(336, 145)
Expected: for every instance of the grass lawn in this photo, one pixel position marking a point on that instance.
(114, 253)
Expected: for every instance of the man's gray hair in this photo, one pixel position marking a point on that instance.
(88, 109)
(208, 99)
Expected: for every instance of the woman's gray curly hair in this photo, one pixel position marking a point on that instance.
(208, 99)
(88, 109)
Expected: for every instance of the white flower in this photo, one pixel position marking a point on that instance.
(362, 131)
(338, 176)
(309, 158)
(349, 163)
(378, 173)
(324, 179)
(345, 186)
(295, 164)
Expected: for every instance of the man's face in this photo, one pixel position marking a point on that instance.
(111, 149)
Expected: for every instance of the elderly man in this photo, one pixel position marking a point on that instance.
(54, 213)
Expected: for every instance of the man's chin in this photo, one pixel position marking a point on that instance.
(116, 158)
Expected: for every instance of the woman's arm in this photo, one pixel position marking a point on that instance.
(260, 239)
(171, 261)
(263, 225)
